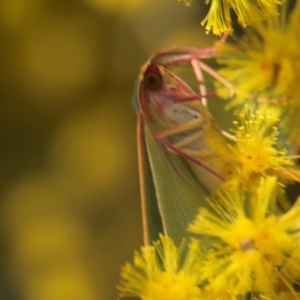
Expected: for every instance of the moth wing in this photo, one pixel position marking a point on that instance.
(177, 199)
(151, 218)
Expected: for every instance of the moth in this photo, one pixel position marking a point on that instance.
(176, 116)
(178, 139)
(176, 119)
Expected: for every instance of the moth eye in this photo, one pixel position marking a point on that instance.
(153, 81)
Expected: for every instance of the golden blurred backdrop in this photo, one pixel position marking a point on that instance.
(70, 210)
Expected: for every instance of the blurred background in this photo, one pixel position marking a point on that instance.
(70, 207)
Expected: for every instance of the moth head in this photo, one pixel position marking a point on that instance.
(153, 78)
(156, 77)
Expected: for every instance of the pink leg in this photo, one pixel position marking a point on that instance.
(190, 158)
(271, 101)
(195, 97)
(192, 53)
(200, 79)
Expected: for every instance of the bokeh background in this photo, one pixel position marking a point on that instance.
(69, 196)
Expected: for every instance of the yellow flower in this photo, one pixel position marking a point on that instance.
(162, 272)
(255, 152)
(264, 65)
(249, 247)
(248, 12)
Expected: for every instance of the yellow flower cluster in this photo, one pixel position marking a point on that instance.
(254, 152)
(250, 248)
(264, 67)
(247, 249)
(161, 272)
(248, 12)
(246, 237)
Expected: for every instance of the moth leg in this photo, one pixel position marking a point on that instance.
(223, 38)
(200, 153)
(197, 153)
(200, 79)
(217, 76)
(211, 154)
(193, 124)
(189, 139)
(178, 55)
(271, 101)
(198, 65)
(195, 97)
(184, 54)
(231, 87)
(190, 158)
(229, 136)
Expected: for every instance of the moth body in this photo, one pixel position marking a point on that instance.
(187, 125)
